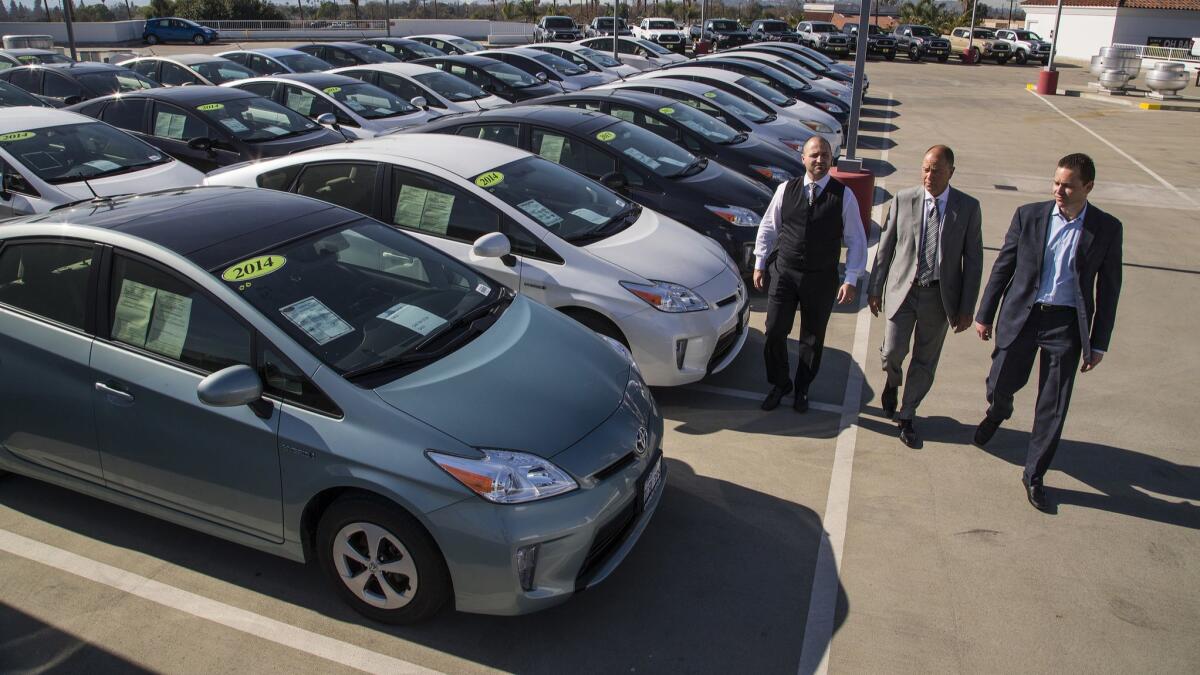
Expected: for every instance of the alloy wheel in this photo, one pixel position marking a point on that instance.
(375, 565)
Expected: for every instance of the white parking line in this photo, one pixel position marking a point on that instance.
(1119, 151)
(758, 396)
(822, 601)
(342, 653)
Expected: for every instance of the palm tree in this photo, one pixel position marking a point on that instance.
(928, 13)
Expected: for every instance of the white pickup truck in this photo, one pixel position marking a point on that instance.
(661, 31)
(1026, 45)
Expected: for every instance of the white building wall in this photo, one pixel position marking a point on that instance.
(1083, 31)
(1135, 25)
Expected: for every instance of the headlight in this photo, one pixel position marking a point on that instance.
(667, 297)
(507, 477)
(828, 106)
(796, 144)
(815, 126)
(772, 173)
(738, 215)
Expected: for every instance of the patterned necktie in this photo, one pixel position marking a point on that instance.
(932, 235)
(812, 193)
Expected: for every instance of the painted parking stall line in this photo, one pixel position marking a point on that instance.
(336, 651)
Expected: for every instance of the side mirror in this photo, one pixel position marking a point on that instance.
(491, 245)
(419, 102)
(488, 87)
(614, 181)
(231, 387)
(72, 99)
(327, 120)
(542, 76)
(200, 145)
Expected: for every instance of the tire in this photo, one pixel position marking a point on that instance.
(350, 528)
(914, 54)
(944, 58)
(152, 39)
(1021, 57)
(890, 56)
(598, 323)
(974, 55)
(1002, 61)
(198, 40)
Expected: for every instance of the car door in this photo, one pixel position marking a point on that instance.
(173, 128)
(45, 378)
(160, 335)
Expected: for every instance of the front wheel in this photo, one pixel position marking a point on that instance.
(914, 54)
(1022, 58)
(199, 40)
(974, 55)
(151, 39)
(1002, 61)
(890, 56)
(382, 561)
(944, 58)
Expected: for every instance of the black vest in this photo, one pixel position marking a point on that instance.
(810, 237)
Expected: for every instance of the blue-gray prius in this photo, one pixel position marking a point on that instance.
(304, 380)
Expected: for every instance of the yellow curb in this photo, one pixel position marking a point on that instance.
(1031, 86)
(1150, 106)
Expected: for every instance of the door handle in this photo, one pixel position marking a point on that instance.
(114, 394)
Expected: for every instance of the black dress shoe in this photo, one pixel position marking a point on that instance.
(908, 435)
(800, 405)
(774, 396)
(888, 401)
(984, 432)
(1036, 495)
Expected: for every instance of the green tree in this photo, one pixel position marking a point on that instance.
(928, 13)
(528, 10)
(96, 12)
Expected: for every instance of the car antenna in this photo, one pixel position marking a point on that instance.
(96, 199)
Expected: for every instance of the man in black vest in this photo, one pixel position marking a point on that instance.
(800, 237)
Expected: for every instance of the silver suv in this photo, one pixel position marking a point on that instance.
(824, 36)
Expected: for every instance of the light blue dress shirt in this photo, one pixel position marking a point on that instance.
(1058, 283)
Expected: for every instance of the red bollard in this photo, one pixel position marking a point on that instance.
(863, 184)
(1047, 84)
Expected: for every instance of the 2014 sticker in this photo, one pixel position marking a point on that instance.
(208, 107)
(710, 94)
(332, 90)
(606, 136)
(667, 111)
(254, 268)
(16, 136)
(489, 179)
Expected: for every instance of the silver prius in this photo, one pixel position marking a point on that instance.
(296, 377)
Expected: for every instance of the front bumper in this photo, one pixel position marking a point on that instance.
(835, 48)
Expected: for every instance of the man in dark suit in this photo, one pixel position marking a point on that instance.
(926, 279)
(1059, 274)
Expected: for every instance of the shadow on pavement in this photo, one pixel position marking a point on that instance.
(867, 100)
(880, 127)
(875, 143)
(880, 168)
(719, 582)
(883, 114)
(29, 645)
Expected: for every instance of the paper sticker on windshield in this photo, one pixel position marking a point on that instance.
(332, 90)
(625, 115)
(590, 216)
(667, 111)
(16, 136)
(413, 318)
(643, 157)
(489, 179)
(605, 136)
(483, 289)
(207, 107)
(102, 165)
(254, 268)
(234, 125)
(710, 94)
(316, 320)
(544, 215)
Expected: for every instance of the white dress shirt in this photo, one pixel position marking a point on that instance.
(941, 200)
(852, 230)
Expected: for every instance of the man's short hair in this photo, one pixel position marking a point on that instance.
(1080, 163)
(944, 150)
(821, 140)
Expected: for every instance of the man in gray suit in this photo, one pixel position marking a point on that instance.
(926, 279)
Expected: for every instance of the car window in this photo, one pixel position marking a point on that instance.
(155, 311)
(256, 119)
(667, 131)
(469, 74)
(116, 81)
(145, 68)
(220, 72)
(126, 113)
(308, 103)
(452, 88)
(499, 133)
(27, 79)
(434, 207)
(264, 89)
(60, 87)
(70, 152)
(593, 106)
(303, 63)
(285, 381)
(177, 124)
(173, 75)
(401, 87)
(338, 58)
(572, 153)
(47, 279)
(348, 184)
(369, 101)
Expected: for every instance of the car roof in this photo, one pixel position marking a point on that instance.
(565, 46)
(318, 80)
(711, 73)
(390, 40)
(27, 51)
(665, 82)
(582, 121)
(210, 226)
(21, 118)
(193, 58)
(345, 44)
(78, 67)
(461, 156)
(441, 36)
(189, 95)
(400, 68)
(519, 51)
(467, 59)
(641, 99)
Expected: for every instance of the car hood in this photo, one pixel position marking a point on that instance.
(591, 79)
(536, 381)
(400, 121)
(657, 247)
(286, 146)
(719, 186)
(165, 176)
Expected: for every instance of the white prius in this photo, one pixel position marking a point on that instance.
(442, 91)
(672, 296)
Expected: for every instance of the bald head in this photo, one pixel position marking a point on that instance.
(817, 157)
(937, 168)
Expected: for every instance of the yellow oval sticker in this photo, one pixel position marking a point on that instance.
(16, 136)
(210, 106)
(606, 136)
(710, 94)
(667, 111)
(332, 90)
(489, 179)
(254, 268)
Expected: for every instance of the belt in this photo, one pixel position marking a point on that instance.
(932, 283)
(1040, 306)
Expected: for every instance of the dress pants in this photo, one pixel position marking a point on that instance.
(814, 293)
(1056, 335)
(923, 311)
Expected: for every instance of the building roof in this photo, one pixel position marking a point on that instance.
(1184, 5)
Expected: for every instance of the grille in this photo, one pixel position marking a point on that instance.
(615, 467)
(607, 537)
(668, 38)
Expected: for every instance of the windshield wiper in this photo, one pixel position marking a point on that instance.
(739, 138)
(104, 174)
(610, 227)
(694, 168)
(289, 134)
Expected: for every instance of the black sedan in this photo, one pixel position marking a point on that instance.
(402, 48)
(800, 59)
(651, 171)
(778, 80)
(14, 96)
(70, 83)
(772, 30)
(691, 129)
(342, 54)
(494, 77)
(210, 127)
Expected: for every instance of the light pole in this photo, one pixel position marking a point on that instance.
(1047, 84)
(971, 39)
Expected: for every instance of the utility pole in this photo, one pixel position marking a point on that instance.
(67, 18)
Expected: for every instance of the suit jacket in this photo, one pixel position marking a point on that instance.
(1017, 274)
(961, 266)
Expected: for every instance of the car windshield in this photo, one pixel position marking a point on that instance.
(984, 33)
(599, 58)
(369, 101)
(824, 28)
(571, 206)
(222, 71)
(28, 59)
(257, 119)
(12, 95)
(363, 295)
(770, 72)
(606, 23)
(723, 25)
(450, 87)
(372, 55)
(794, 68)
(709, 127)
(560, 22)
(923, 31)
(646, 148)
(68, 153)
(421, 49)
(738, 106)
(116, 82)
(189, 24)
(559, 65)
(763, 91)
(774, 26)
(661, 25)
(653, 47)
(466, 45)
(303, 63)
(510, 75)
(1027, 35)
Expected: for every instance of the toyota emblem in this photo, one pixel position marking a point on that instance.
(642, 442)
